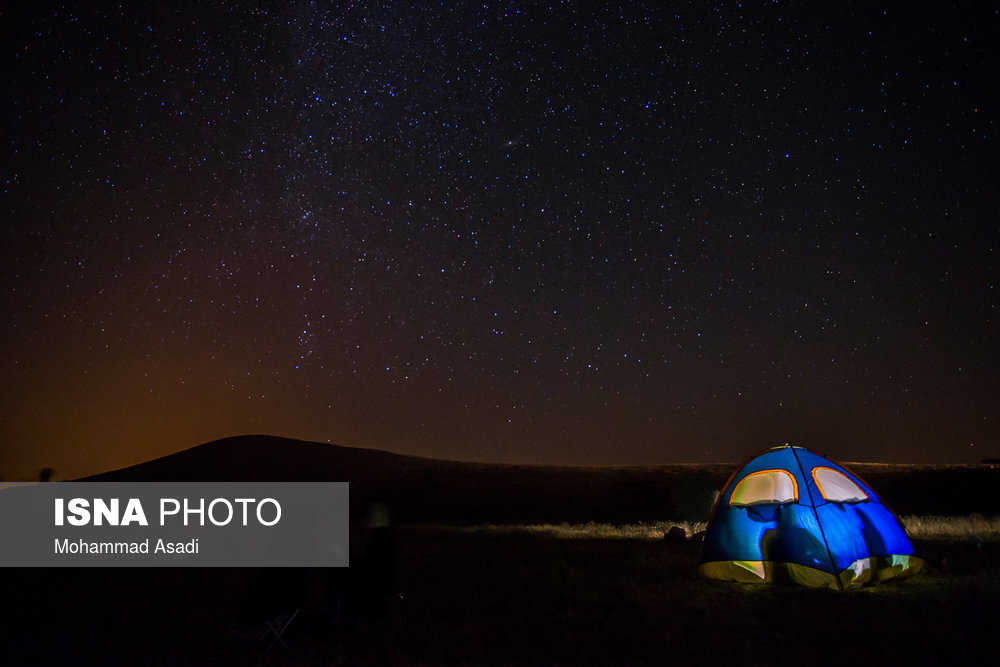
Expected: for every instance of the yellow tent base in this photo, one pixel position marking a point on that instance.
(858, 574)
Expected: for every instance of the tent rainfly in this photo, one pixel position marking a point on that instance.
(791, 515)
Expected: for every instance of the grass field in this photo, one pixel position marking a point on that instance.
(973, 527)
(487, 596)
(509, 565)
(511, 598)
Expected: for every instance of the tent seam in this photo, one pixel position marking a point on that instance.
(812, 503)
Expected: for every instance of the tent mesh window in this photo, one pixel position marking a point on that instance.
(765, 486)
(836, 487)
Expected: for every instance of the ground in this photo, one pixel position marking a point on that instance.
(512, 597)
(495, 598)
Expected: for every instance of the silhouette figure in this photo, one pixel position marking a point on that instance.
(375, 577)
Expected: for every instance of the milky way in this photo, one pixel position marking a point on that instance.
(510, 232)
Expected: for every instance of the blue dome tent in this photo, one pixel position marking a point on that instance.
(789, 514)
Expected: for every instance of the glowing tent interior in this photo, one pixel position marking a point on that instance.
(791, 515)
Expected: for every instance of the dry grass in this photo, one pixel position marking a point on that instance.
(971, 527)
(585, 531)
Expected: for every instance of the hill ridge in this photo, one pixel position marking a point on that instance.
(421, 489)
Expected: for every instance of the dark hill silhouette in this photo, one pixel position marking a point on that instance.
(265, 458)
(433, 490)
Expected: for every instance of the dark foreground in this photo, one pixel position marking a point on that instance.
(472, 598)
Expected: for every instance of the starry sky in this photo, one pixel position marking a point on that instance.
(517, 232)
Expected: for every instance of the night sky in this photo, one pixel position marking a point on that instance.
(513, 232)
